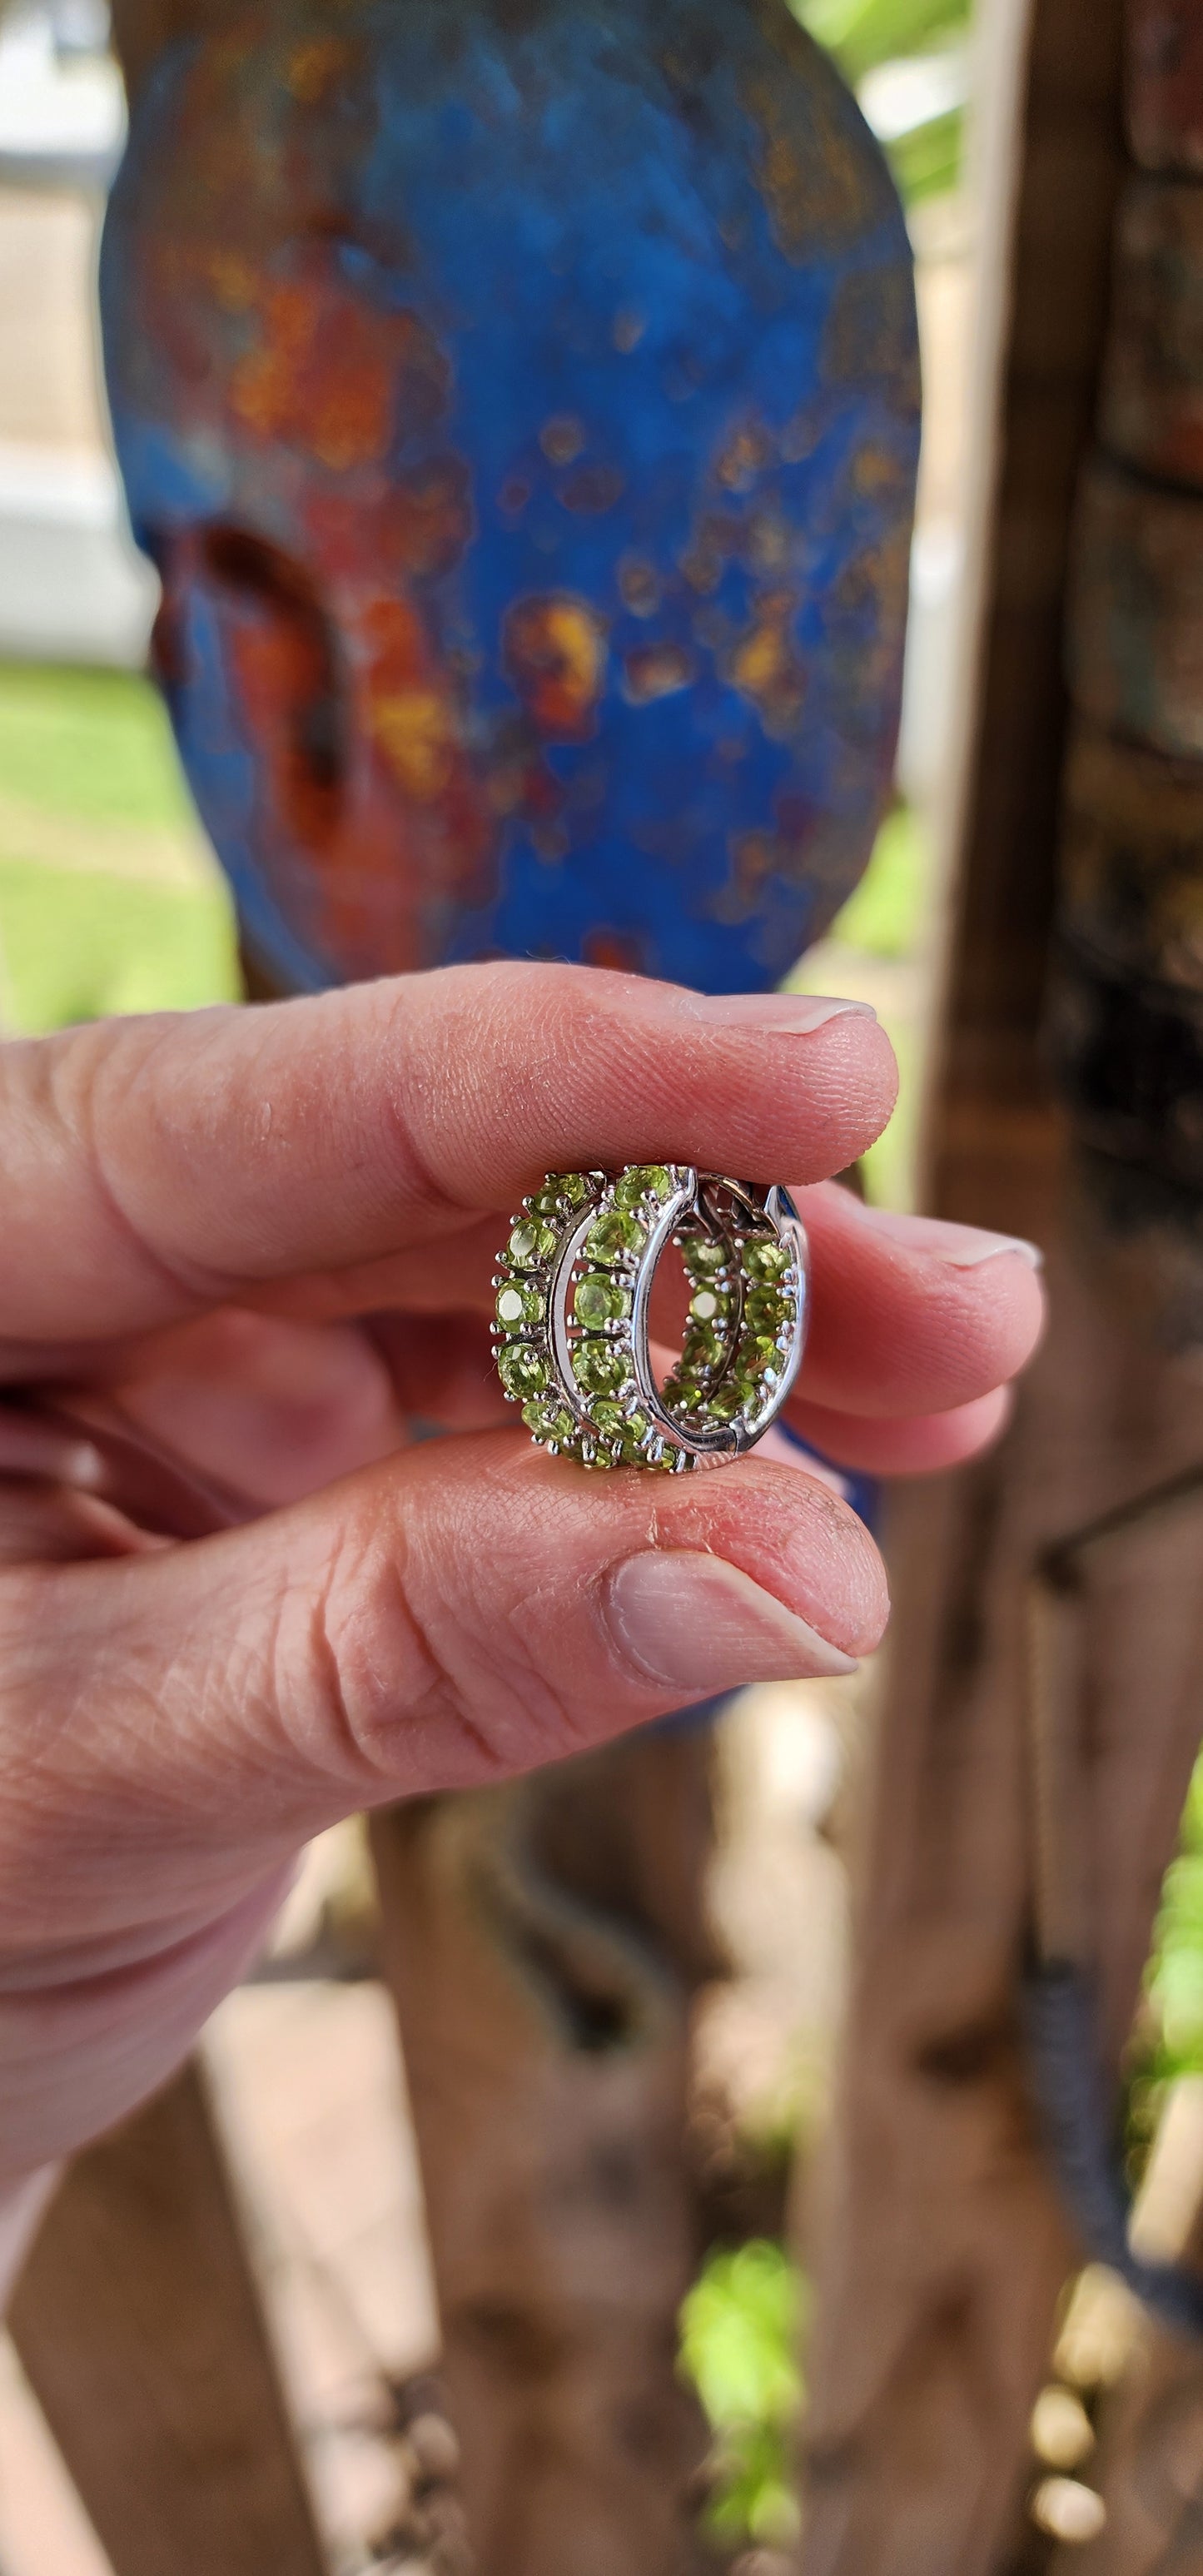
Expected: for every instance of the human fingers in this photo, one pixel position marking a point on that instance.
(269, 1408)
(174, 1163)
(917, 1447)
(909, 1315)
(462, 1612)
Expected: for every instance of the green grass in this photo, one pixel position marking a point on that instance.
(92, 750)
(76, 945)
(93, 744)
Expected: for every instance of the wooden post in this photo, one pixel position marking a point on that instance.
(943, 2244)
(139, 2326)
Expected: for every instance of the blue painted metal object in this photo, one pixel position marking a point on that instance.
(521, 405)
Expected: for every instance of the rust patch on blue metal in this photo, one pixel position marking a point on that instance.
(523, 414)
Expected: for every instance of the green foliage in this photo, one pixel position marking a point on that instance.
(740, 2327)
(1169, 2034)
(1174, 1983)
(927, 161)
(883, 917)
(863, 33)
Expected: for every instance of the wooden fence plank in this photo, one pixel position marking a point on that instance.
(138, 2324)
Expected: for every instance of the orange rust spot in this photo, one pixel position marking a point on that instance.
(656, 671)
(234, 280)
(765, 666)
(812, 175)
(744, 457)
(638, 585)
(615, 949)
(312, 67)
(562, 439)
(592, 490)
(417, 732)
(329, 374)
(554, 651)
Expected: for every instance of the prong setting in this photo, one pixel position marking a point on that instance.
(570, 1327)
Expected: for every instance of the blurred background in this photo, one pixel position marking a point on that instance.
(111, 901)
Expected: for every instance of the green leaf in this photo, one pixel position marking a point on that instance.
(863, 33)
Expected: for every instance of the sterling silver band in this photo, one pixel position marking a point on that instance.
(574, 1286)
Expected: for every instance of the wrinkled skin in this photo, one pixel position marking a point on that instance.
(252, 1241)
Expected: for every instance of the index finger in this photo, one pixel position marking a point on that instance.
(155, 1167)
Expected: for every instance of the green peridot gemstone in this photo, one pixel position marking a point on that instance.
(682, 1395)
(521, 1370)
(766, 1310)
(642, 1181)
(757, 1352)
(766, 1260)
(627, 1430)
(707, 1306)
(600, 1368)
(549, 1421)
(531, 1243)
(598, 1300)
(724, 1406)
(517, 1306)
(613, 1235)
(703, 1346)
(704, 1260)
(560, 1190)
(608, 1418)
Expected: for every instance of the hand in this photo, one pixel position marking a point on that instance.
(201, 1212)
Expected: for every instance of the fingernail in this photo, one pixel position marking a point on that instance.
(778, 1014)
(698, 1625)
(964, 1247)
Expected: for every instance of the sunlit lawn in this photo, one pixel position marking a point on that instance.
(107, 901)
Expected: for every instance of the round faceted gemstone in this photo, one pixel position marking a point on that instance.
(521, 1370)
(728, 1401)
(757, 1352)
(561, 1190)
(705, 1260)
(703, 1346)
(548, 1421)
(632, 1447)
(530, 1243)
(613, 1235)
(767, 1310)
(608, 1418)
(517, 1306)
(707, 1306)
(682, 1394)
(642, 1181)
(598, 1300)
(766, 1261)
(600, 1368)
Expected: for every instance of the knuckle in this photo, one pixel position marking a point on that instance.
(408, 1684)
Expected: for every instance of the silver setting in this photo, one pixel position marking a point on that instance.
(638, 1422)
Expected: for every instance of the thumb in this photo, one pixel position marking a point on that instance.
(173, 1725)
(460, 1613)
